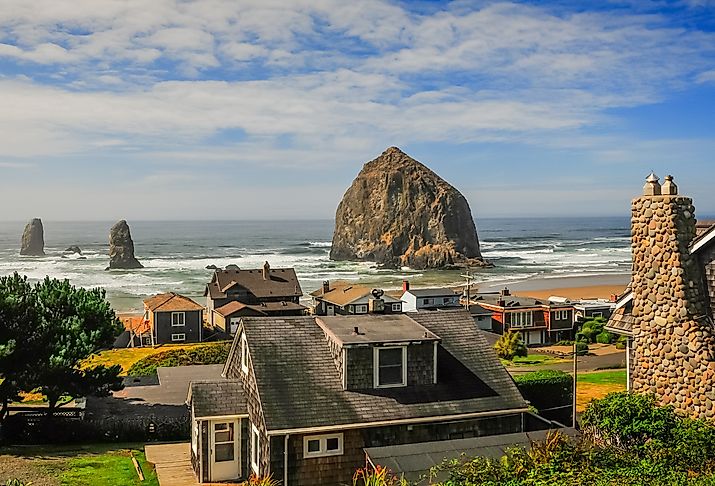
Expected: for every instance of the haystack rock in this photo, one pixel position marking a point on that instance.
(121, 248)
(33, 239)
(397, 212)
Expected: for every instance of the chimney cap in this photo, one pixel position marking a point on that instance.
(652, 186)
(669, 187)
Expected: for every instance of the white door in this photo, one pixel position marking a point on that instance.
(224, 451)
(331, 310)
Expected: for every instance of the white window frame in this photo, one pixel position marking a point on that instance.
(561, 315)
(596, 314)
(255, 450)
(176, 339)
(360, 308)
(428, 301)
(396, 307)
(323, 440)
(521, 320)
(244, 353)
(376, 366)
(183, 319)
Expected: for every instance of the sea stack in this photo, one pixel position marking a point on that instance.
(121, 248)
(33, 239)
(397, 212)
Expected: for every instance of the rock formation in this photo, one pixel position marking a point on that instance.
(73, 249)
(33, 239)
(397, 212)
(121, 248)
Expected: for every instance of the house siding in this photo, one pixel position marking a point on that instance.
(255, 412)
(163, 328)
(336, 470)
(360, 365)
(707, 261)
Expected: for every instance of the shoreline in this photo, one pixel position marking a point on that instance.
(597, 286)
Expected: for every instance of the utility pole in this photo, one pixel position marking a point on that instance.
(469, 279)
(575, 380)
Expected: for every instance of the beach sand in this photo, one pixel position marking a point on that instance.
(587, 287)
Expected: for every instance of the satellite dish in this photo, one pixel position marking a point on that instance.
(377, 293)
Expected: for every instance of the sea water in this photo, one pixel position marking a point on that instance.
(175, 254)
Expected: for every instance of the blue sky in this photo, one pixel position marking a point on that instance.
(185, 109)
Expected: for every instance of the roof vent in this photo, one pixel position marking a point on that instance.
(505, 292)
(356, 331)
(669, 188)
(652, 186)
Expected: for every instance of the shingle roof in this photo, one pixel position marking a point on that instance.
(433, 292)
(374, 328)
(171, 301)
(621, 321)
(299, 385)
(266, 308)
(514, 301)
(343, 294)
(217, 398)
(282, 282)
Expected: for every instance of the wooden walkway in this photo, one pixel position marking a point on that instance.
(173, 464)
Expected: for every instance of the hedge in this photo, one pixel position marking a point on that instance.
(548, 389)
(214, 353)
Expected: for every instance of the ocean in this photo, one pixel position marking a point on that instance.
(175, 254)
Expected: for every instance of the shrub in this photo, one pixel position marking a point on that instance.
(379, 476)
(261, 481)
(604, 338)
(510, 345)
(565, 342)
(581, 348)
(214, 353)
(621, 342)
(547, 389)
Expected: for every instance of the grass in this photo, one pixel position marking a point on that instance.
(126, 357)
(86, 465)
(534, 360)
(597, 384)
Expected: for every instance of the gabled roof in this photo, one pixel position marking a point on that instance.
(342, 294)
(432, 292)
(265, 308)
(217, 398)
(171, 302)
(299, 385)
(281, 282)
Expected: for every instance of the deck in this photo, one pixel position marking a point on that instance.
(173, 464)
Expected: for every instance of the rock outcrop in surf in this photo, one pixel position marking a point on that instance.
(398, 212)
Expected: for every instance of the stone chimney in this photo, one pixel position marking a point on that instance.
(673, 337)
(326, 286)
(405, 285)
(266, 271)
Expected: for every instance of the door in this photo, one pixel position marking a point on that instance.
(224, 450)
(331, 310)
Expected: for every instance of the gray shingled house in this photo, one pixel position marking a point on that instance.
(270, 291)
(305, 397)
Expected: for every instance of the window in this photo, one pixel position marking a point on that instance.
(178, 337)
(255, 450)
(596, 314)
(178, 318)
(224, 447)
(447, 300)
(390, 367)
(244, 353)
(521, 319)
(561, 315)
(323, 445)
(361, 309)
(427, 301)
(396, 307)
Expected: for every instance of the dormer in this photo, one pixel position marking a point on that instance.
(385, 351)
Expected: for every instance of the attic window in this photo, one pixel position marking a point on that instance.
(390, 366)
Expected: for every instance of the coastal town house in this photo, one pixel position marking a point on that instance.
(268, 291)
(670, 331)
(348, 298)
(538, 321)
(306, 398)
(415, 300)
(173, 318)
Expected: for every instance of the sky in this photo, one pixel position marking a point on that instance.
(267, 109)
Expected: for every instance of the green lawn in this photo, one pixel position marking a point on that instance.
(534, 360)
(607, 377)
(87, 465)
